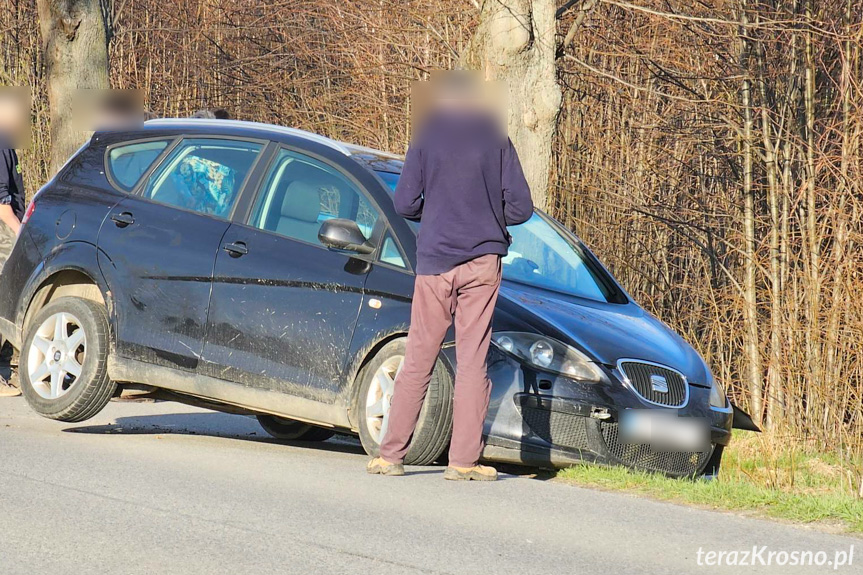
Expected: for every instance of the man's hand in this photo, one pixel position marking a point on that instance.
(8, 217)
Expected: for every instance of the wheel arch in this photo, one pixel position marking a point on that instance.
(71, 271)
(63, 283)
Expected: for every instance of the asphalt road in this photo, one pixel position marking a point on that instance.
(162, 488)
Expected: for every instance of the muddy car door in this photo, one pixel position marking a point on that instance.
(284, 307)
(157, 248)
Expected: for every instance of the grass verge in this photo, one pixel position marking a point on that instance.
(760, 475)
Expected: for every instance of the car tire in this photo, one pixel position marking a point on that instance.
(434, 426)
(292, 430)
(63, 364)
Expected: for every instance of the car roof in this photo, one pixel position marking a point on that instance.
(371, 158)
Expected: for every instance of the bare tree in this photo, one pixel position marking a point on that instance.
(75, 38)
(515, 43)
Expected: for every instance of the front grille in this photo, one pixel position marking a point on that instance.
(643, 456)
(561, 429)
(647, 379)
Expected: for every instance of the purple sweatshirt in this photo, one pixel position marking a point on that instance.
(465, 183)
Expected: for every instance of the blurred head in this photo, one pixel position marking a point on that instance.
(14, 117)
(106, 110)
(203, 114)
(458, 91)
(208, 114)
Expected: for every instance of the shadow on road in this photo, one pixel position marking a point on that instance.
(525, 472)
(243, 428)
(236, 427)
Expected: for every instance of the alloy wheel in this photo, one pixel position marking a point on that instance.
(56, 356)
(380, 396)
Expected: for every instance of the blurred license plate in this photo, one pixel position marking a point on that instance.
(663, 430)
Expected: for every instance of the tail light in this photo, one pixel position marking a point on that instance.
(30, 209)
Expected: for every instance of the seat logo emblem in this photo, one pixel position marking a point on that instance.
(658, 384)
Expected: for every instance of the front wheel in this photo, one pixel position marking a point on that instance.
(291, 430)
(63, 366)
(376, 383)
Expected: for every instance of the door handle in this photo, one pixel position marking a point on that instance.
(236, 249)
(123, 220)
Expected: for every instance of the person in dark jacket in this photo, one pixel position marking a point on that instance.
(14, 114)
(463, 180)
(14, 130)
(11, 213)
(12, 205)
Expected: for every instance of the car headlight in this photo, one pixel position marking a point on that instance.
(717, 395)
(548, 354)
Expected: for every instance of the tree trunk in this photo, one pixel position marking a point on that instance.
(813, 289)
(515, 43)
(772, 398)
(75, 37)
(750, 294)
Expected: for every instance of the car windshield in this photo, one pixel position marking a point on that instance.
(542, 255)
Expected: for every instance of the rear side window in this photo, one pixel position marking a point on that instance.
(203, 175)
(127, 163)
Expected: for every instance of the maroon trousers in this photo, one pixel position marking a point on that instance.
(468, 292)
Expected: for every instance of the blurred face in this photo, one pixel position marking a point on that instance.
(95, 110)
(462, 91)
(14, 117)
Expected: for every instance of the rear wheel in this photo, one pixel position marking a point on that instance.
(63, 369)
(289, 429)
(376, 383)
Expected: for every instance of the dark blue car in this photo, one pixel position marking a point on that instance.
(262, 270)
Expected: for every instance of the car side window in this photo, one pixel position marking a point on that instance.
(127, 163)
(204, 175)
(390, 253)
(300, 193)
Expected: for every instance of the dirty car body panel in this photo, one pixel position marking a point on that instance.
(226, 305)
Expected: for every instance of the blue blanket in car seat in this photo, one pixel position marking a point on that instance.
(205, 186)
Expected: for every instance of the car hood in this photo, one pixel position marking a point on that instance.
(605, 332)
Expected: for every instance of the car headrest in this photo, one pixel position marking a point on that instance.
(302, 202)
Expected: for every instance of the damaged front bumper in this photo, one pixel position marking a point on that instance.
(545, 419)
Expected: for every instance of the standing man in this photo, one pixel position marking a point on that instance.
(11, 211)
(463, 180)
(14, 124)
(14, 108)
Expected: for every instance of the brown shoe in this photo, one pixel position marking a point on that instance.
(7, 389)
(475, 473)
(378, 466)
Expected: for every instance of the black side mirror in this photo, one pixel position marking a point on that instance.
(342, 234)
